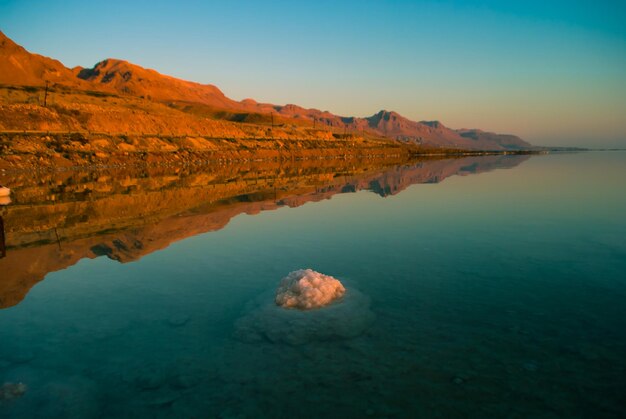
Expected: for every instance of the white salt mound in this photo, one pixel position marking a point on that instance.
(265, 319)
(306, 289)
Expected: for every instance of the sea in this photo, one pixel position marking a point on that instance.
(481, 286)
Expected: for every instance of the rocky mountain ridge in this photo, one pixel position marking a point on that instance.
(18, 67)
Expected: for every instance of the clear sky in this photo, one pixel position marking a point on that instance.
(553, 72)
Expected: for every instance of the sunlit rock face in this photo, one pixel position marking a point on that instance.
(307, 307)
(306, 289)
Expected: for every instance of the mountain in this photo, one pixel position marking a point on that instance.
(509, 142)
(434, 133)
(20, 67)
(124, 77)
(113, 76)
(431, 133)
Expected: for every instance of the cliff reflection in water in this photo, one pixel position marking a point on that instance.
(57, 219)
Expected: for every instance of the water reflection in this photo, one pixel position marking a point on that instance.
(60, 218)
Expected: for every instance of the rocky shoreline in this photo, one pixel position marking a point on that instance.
(54, 151)
(30, 151)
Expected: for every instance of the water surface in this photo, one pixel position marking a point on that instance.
(492, 286)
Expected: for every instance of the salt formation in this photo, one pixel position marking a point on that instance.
(306, 289)
(321, 309)
(10, 391)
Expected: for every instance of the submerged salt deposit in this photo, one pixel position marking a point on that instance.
(10, 391)
(340, 312)
(306, 289)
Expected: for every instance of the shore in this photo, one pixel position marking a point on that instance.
(50, 150)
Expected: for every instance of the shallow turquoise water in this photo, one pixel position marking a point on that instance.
(495, 294)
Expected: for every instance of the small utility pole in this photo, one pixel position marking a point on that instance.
(45, 95)
(314, 120)
(272, 113)
(56, 233)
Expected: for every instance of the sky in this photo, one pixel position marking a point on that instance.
(552, 72)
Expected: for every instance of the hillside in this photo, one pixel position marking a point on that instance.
(20, 67)
(117, 97)
(123, 77)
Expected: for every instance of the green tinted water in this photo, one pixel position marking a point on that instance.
(488, 295)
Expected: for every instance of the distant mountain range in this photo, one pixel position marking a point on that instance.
(18, 67)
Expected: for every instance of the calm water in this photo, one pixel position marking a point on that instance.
(487, 287)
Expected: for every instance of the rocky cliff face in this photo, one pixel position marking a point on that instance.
(123, 77)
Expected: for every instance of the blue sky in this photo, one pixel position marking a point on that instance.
(553, 73)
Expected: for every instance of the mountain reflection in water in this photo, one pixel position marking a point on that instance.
(59, 218)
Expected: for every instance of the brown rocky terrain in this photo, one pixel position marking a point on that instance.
(118, 98)
(55, 150)
(58, 218)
